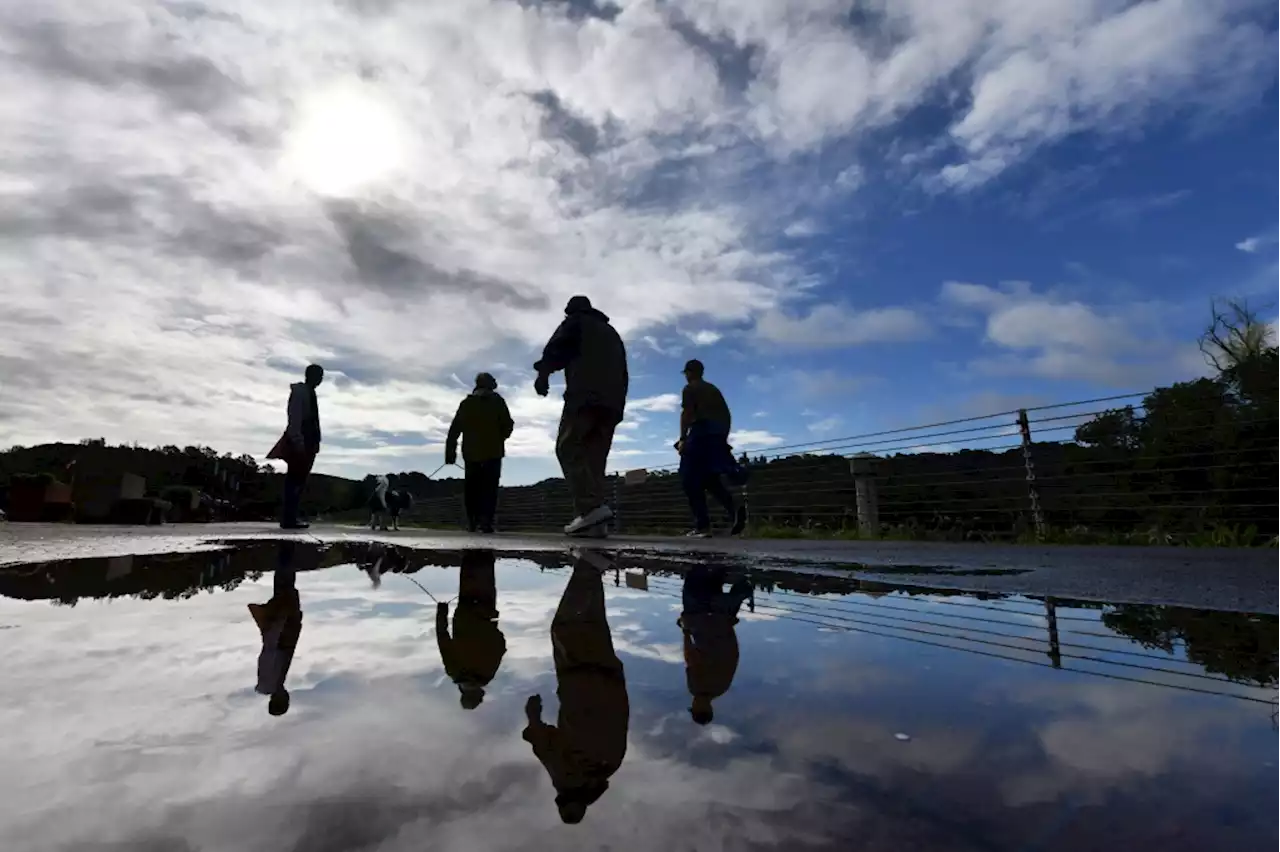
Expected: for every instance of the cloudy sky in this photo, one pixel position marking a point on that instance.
(859, 214)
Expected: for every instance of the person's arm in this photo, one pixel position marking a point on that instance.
(561, 349)
(508, 425)
(455, 429)
(298, 405)
(686, 412)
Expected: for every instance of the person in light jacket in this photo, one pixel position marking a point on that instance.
(300, 444)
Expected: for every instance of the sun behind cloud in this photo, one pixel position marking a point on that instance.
(347, 138)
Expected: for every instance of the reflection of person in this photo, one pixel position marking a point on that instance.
(471, 656)
(705, 422)
(484, 424)
(589, 740)
(594, 360)
(299, 444)
(710, 641)
(279, 622)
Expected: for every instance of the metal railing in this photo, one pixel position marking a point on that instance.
(1012, 474)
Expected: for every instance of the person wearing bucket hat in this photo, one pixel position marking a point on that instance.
(705, 453)
(484, 423)
(594, 360)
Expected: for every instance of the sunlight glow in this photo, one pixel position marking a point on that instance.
(345, 139)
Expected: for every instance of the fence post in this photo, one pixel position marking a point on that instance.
(1055, 650)
(617, 513)
(864, 486)
(1037, 516)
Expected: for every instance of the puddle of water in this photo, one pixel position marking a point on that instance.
(638, 704)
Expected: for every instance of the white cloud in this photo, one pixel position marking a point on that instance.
(1257, 243)
(1038, 334)
(835, 325)
(750, 439)
(199, 202)
(825, 426)
(662, 402)
(704, 337)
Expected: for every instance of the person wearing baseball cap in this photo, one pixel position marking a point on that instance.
(704, 450)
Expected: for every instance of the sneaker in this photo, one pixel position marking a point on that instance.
(597, 559)
(698, 534)
(739, 521)
(595, 517)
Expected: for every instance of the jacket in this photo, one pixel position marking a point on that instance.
(484, 423)
(594, 360)
(302, 434)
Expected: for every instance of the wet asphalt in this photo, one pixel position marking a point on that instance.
(1240, 580)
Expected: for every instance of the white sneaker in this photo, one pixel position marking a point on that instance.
(597, 559)
(596, 516)
(698, 534)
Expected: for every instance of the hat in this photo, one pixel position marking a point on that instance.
(487, 381)
(693, 366)
(577, 305)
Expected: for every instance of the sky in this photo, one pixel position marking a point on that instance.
(859, 215)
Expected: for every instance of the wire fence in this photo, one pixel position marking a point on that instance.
(1105, 468)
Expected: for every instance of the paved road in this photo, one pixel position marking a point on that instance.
(1239, 580)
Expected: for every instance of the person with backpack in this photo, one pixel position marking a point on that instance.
(299, 445)
(705, 454)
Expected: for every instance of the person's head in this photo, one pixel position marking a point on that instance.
(314, 375)
(486, 381)
(572, 803)
(701, 710)
(693, 370)
(577, 305)
(278, 704)
(472, 696)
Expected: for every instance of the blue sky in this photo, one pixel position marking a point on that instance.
(860, 214)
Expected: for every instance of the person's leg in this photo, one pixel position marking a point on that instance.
(715, 486)
(692, 480)
(295, 479)
(598, 443)
(471, 493)
(493, 479)
(573, 462)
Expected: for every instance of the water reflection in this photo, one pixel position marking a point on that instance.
(1157, 725)
(473, 653)
(585, 747)
(709, 623)
(279, 622)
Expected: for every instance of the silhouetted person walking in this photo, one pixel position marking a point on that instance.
(710, 640)
(279, 622)
(705, 422)
(589, 740)
(484, 423)
(594, 360)
(299, 444)
(471, 656)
